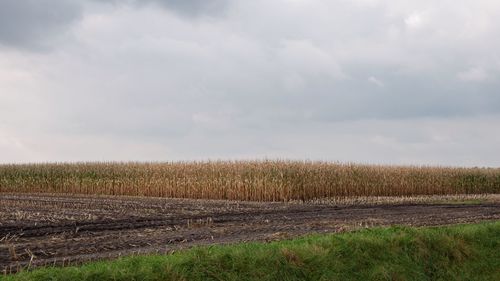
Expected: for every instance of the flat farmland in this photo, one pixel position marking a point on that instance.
(50, 229)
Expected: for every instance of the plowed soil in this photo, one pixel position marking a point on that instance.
(48, 229)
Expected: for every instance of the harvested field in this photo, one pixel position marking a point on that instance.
(37, 229)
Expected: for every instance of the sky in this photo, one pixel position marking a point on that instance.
(412, 82)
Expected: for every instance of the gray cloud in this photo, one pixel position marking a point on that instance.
(191, 8)
(194, 7)
(308, 79)
(33, 23)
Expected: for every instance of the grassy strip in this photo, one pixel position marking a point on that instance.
(462, 252)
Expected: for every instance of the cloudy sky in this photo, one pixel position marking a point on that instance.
(371, 81)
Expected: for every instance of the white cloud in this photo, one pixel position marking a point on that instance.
(475, 74)
(301, 56)
(375, 81)
(417, 20)
(414, 20)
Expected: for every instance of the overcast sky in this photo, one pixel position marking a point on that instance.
(370, 81)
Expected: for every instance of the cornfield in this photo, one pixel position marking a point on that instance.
(246, 180)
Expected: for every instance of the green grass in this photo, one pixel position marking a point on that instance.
(462, 252)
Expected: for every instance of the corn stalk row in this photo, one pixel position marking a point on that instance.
(247, 180)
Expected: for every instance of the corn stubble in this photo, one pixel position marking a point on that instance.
(247, 180)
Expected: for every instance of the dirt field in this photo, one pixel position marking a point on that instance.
(48, 229)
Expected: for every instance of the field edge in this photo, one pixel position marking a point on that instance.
(458, 252)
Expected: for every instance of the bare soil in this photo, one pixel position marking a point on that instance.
(41, 229)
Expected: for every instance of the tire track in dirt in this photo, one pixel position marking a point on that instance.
(39, 229)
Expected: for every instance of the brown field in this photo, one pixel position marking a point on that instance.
(70, 213)
(247, 180)
(50, 229)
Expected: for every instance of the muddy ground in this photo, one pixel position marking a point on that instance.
(48, 229)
